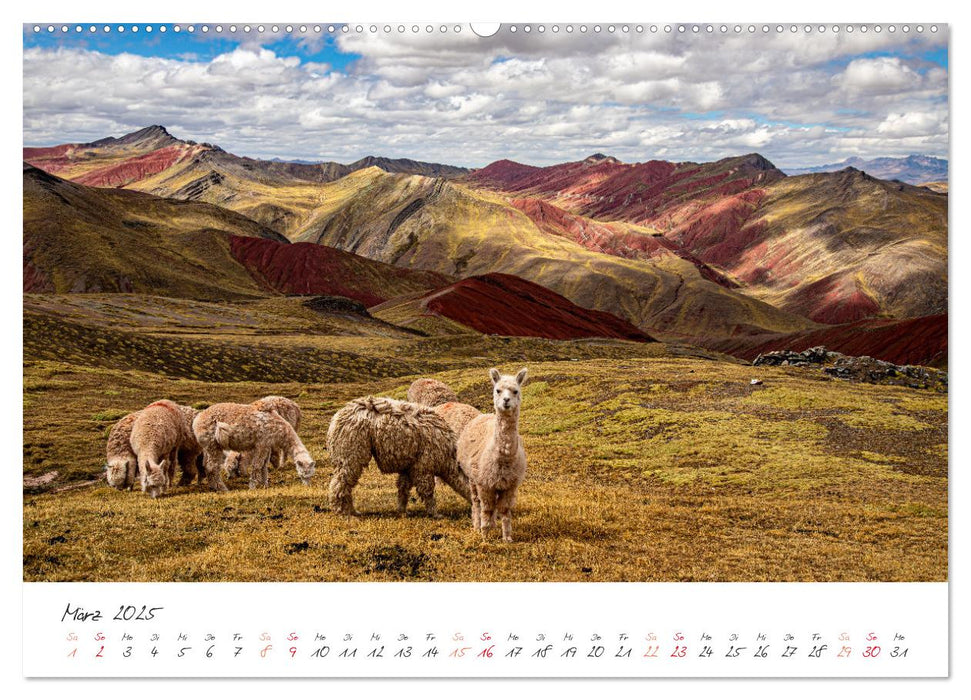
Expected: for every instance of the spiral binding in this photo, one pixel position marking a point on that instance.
(301, 29)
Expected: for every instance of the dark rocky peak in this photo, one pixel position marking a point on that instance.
(598, 158)
(757, 161)
(155, 136)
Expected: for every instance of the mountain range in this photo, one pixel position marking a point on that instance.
(732, 254)
(912, 169)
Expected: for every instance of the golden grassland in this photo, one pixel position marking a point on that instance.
(645, 464)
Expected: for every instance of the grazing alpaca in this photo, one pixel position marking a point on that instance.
(204, 428)
(258, 434)
(430, 392)
(121, 467)
(288, 410)
(457, 415)
(156, 436)
(491, 453)
(404, 438)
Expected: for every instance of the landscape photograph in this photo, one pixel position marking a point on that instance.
(562, 303)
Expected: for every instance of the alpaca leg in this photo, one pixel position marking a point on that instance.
(131, 474)
(487, 515)
(346, 476)
(404, 491)
(143, 473)
(213, 460)
(200, 467)
(189, 471)
(170, 470)
(476, 507)
(231, 463)
(265, 468)
(504, 506)
(256, 459)
(425, 486)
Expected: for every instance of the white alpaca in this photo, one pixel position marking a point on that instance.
(491, 453)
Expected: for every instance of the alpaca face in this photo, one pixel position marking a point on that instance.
(116, 473)
(306, 466)
(506, 394)
(156, 479)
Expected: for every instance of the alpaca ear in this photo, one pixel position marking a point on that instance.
(163, 464)
(222, 426)
(521, 376)
(495, 374)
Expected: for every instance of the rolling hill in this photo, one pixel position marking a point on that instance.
(603, 188)
(500, 304)
(308, 269)
(832, 247)
(88, 239)
(911, 341)
(277, 194)
(452, 228)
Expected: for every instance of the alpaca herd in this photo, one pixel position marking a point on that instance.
(430, 438)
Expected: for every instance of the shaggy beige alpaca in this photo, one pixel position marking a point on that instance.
(204, 428)
(288, 410)
(156, 436)
(430, 392)
(491, 453)
(457, 415)
(121, 466)
(406, 439)
(259, 434)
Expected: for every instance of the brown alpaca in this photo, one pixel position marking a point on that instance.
(491, 453)
(288, 410)
(406, 439)
(156, 436)
(121, 466)
(457, 415)
(430, 392)
(204, 429)
(259, 434)
(189, 450)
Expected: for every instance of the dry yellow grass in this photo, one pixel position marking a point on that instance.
(641, 469)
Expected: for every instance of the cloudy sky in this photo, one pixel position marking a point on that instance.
(797, 98)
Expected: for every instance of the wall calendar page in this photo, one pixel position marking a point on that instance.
(412, 349)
